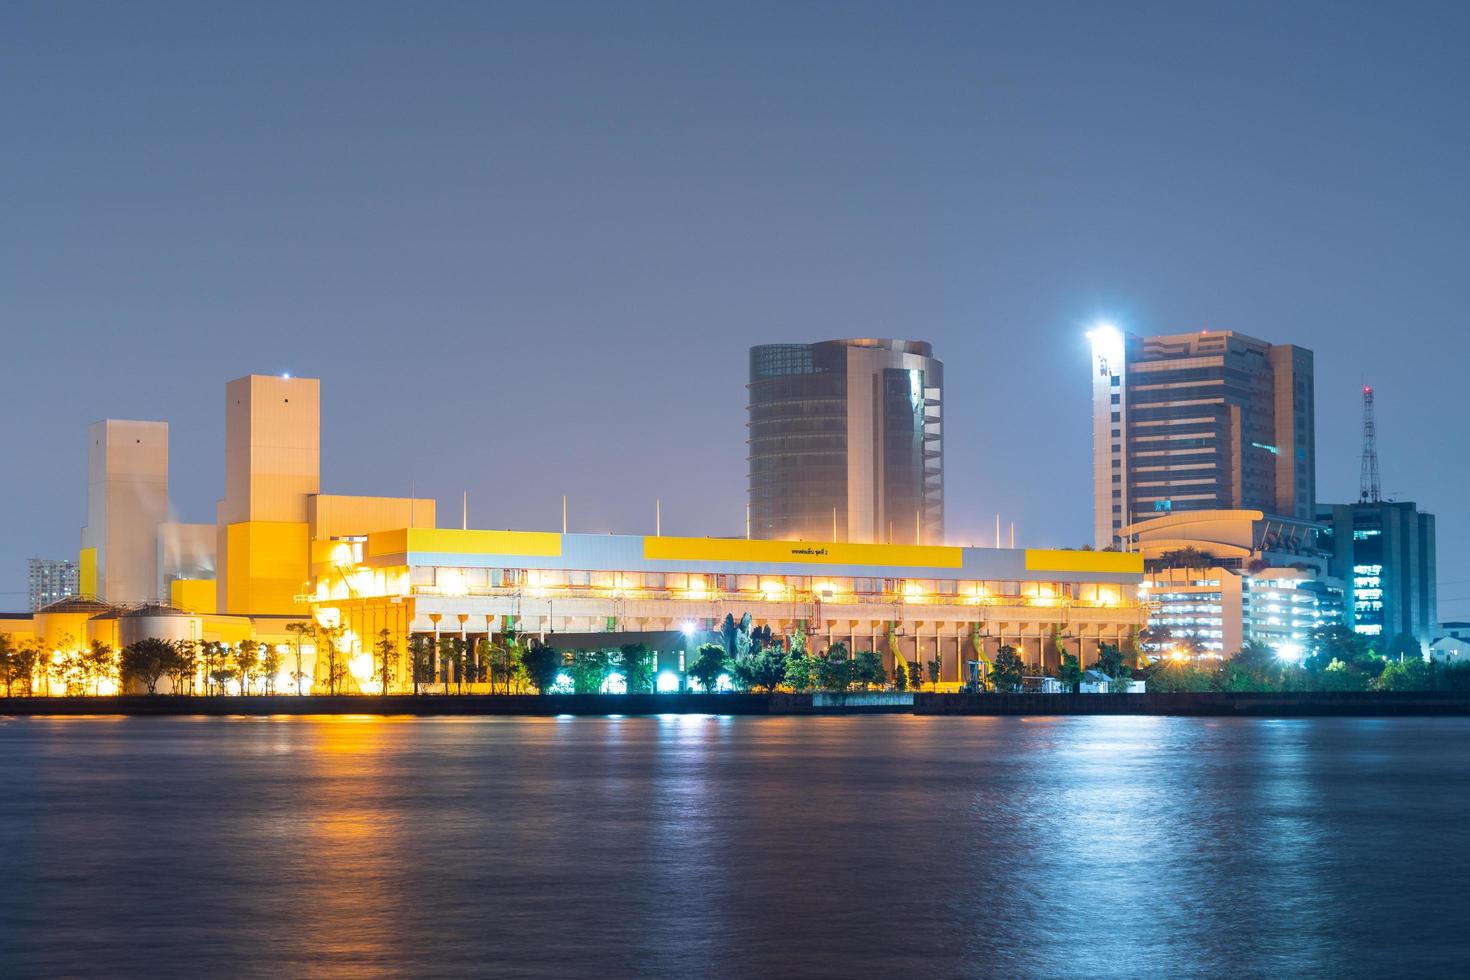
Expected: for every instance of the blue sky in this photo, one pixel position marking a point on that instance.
(526, 246)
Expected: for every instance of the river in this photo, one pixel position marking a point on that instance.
(697, 846)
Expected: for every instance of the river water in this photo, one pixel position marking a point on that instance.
(684, 846)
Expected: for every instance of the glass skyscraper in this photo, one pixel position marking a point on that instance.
(845, 442)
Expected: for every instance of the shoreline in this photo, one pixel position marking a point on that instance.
(1212, 705)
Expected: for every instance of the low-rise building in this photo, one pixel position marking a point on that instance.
(1216, 580)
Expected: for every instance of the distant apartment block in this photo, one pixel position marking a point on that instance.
(49, 579)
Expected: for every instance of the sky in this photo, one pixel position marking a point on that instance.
(526, 247)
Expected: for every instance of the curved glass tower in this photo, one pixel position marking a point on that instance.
(845, 442)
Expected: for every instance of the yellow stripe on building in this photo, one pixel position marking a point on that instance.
(800, 552)
(1104, 562)
(87, 572)
(452, 541)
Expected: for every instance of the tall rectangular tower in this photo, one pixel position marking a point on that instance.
(845, 441)
(272, 467)
(127, 498)
(1214, 420)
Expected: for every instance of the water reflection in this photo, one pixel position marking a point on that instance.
(718, 846)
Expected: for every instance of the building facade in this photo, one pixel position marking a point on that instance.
(50, 579)
(846, 442)
(1214, 420)
(127, 499)
(1217, 580)
(1385, 552)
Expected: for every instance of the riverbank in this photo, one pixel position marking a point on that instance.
(1262, 705)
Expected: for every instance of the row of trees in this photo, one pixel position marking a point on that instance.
(192, 667)
(1342, 660)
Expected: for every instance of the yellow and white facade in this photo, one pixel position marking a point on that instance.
(284, 555)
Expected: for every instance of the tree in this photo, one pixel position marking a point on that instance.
(867, 669)
(542, 663)
(270, 665)
(900, 674)
(184, 665)
(387, 650)
(300, 631)
(331, 637)
(709, 664)
(765, 668)
(247, 663)
(799, 671)
(99, 663)
(451, 660)
(1070, 673)
(590, 670)
(1403, 648)
(934, 668)
(10, 664)
(1007, 670)
(146, 661)
(421, 660)
(1109, 660)
(835, 670)
(638, 668)
(214, 666)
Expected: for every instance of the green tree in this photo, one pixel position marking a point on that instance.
(146, 661)
(542, 663)
(270, 665)
(1403, 648)
(213, 655)
(1007, 670)
(184, 665)
(637, 666)
(799, 670)
(421, 660)
(867, 669)
(299, 632)
(1408, 675)
(708, 665)
(247, 663)
(590, 670)
(10, 664)
(835, 670)
(764, 669)
(934, 668)
(386, 668)
(1070, 673)
(1110, 660)
(99, 663)
(900, 674)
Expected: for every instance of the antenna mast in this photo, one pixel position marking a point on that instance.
(1368, 489)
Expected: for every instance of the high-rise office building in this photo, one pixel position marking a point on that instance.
(127, 499)
(1213, 420)
(49, 579)
(1384, 551)
(845, 442)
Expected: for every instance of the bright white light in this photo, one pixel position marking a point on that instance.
(668, 682)
(1107, 347)
(287, 375)
(563, 684)
(1290, 653)
(615, 684)
(722, 683)
(688, 629)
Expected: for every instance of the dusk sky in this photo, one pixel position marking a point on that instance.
(526, 247)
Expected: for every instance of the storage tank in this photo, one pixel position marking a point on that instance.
(63, 623)
(158, 622)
